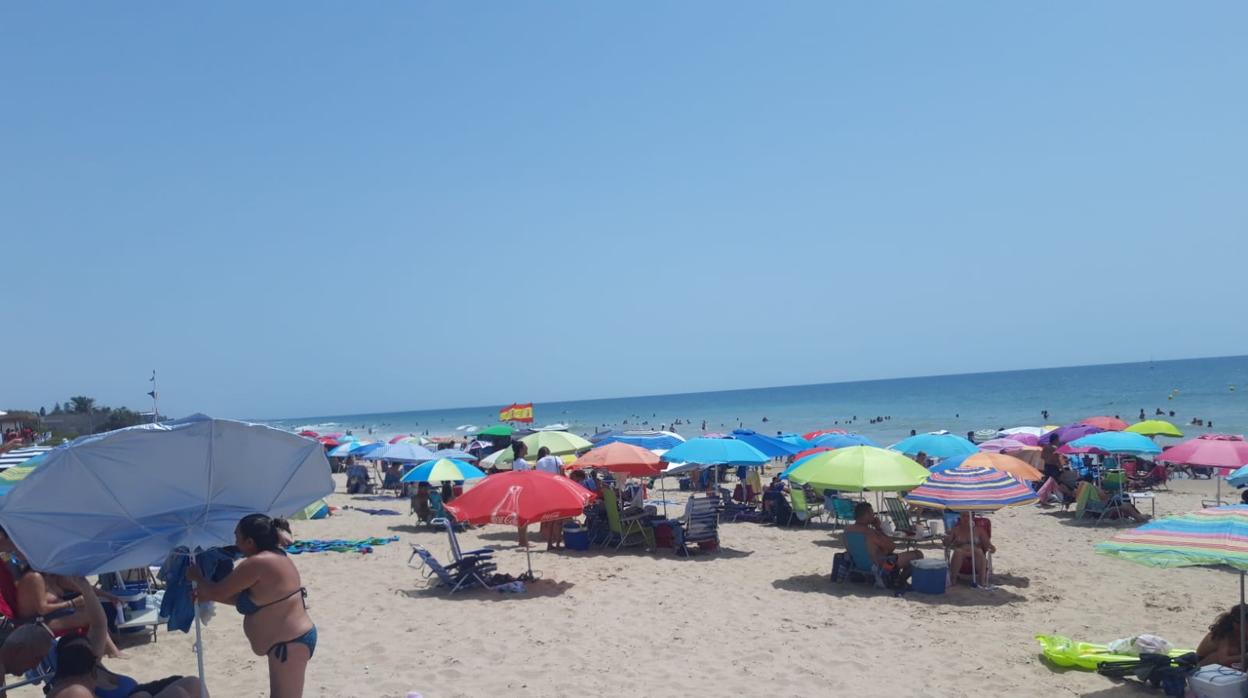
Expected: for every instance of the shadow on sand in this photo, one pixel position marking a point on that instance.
(957, 596)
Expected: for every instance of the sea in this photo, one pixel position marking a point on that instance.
(1213, 390)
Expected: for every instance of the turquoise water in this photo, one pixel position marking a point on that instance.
(1212, 389)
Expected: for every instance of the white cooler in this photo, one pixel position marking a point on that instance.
(1217, 681)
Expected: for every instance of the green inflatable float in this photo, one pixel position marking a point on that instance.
(1065, 652)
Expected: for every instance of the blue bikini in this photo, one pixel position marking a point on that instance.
(247, 607)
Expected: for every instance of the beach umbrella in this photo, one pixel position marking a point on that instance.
(454, 453)
(403, 452)
(309, 433)
(1070, 432)
(1213, 537)
(9, 477)
(801, 458)
(128, 498)
(520, 498)
(812, 435)
(937, 444)
(1025, 439)
(970, 489)
(800, 455)
(1156, 427)
(1117, 442)
(860, 468)
(1002, 445)
(982, 435)
(653, 440)
(349, 448)
(1027, 431)
(1223, 452)
(497, 430)
(400, 437)
(316, 510)
(328, 441)
(443, 470)
(767, 445)
(619, 457)
(795, 440)
(843, 440)
(997, 461)
(1238, 478)
(367, 450)
(704, 451)
(21, 456)
(1106, 423)
(560, 443)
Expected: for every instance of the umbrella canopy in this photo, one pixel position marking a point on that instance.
(982, 435)
(937, 444)
(1003, 444)
(497, 430)
(1217, 536)
(623, 458)
(971, 488)
(795, 440)
(520, 498)
(328, 441)
(767, 445)
(19, 456)
(1117, 442)
(812, 435)
(127, 498)
(367, 450)
(1239, 478)
(309, 433)
(716, 452)
(443, 470)
(400, 437)
(1106, 423)
(800, 455)
(559, 442)
(9, 477)
(1070, 432)
(1017, 467)
(653, 440)
(403, 452)
(844, 440)
(1028, 431)
(858, 468)
(454, 453)
(349, 448)
(1224, 451)
(1156, 427)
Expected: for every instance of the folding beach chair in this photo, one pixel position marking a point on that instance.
(458, 554)
(797, 502)
(907, 530)
(983, 527)
(455, 576)
(863, 568)
(626, 530)
(842, 510)
(700, 524)
(1088, 506)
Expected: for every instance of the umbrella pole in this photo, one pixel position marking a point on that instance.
(199, 636)
(528, 556)
(974, 574)
(1215, 477)
(1243, 653)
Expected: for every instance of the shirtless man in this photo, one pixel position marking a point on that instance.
(880, 547)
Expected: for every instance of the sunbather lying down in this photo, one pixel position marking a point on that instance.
(1121, 505)
(880, 547)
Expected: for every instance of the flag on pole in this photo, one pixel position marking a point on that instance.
(153, 394)
(516, 412)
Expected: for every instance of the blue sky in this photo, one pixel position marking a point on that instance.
(313, 208)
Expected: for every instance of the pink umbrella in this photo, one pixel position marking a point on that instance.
(1026, 439)
(1105, 423)
(399, 438)
(1225, 451)
(1002, 445)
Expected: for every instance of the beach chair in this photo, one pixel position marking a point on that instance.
(457, 553)
(455, 576)
(814, 503)
(700, 524)
(842, 510)
(797, 501)
(906, 530)
(1089, 507)
(863, 568)
(626, 530)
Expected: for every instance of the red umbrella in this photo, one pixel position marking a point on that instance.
(811, 452)
(328, 440)
(399, 438)
(520, 498)
(333, 436)
(309, 433)
(1209, 450)
(623, 458)
(1106, 423)
(812, 435)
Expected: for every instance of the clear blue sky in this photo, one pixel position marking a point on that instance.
(311, 208)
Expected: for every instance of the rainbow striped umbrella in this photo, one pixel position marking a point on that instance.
(971, 488)
(1215, 537)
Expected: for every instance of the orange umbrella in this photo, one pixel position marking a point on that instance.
(1017, 467)
(1106, 423)
(619, 457)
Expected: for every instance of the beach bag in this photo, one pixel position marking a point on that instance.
(841, 567)
(783, 512)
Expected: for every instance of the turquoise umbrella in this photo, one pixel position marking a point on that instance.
(937, 444)
(1118, 442)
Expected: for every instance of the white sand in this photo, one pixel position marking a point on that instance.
(758, 618)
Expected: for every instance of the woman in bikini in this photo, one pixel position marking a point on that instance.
(265, 587)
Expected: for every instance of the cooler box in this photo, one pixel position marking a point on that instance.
(1217, 681)
(929, 576)
(685, 484)
(575, 537)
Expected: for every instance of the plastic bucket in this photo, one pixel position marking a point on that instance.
(929, 576)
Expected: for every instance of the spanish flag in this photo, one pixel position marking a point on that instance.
(516, 412)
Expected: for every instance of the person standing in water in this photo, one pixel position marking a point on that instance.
(266, 588)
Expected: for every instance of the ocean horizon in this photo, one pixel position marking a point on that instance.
(1210, 389)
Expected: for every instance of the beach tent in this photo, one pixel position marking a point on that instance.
(128, 498)
(316, 510)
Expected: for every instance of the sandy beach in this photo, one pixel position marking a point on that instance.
(757, 618)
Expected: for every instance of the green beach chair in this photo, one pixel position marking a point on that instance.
(625, 530)
(797, 500)
(1089, 507)
(907, 530)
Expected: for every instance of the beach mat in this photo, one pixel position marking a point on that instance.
(363, 545)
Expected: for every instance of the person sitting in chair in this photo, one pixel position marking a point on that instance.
(1121, 506)
(959, 539)
(1221, 645)
(880, 547)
